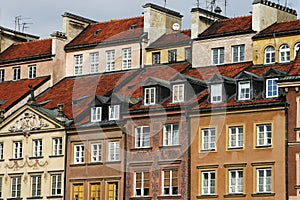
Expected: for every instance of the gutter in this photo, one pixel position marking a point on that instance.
(26, 59)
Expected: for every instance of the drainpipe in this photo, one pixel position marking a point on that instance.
(124, 159)
(141, 48)
(286, 150)
(189, 154)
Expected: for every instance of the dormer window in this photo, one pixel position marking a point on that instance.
(96, 114)
(150, 95)
(296, 49)
(114, 112)
(271, 88)
(244, 90)
(133, 26)
(284, 53)
(178, 93)
(216, 93)
(269, 55)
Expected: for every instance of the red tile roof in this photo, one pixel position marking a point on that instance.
(27, 50)
(108, 31)
(236, 25)
(261, 70)
(18, 90)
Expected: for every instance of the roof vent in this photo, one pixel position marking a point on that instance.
(133, 26)
(218, 10)
(97, 31)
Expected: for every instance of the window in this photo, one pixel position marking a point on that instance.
(113, 151)
(218, 56)
(17, 73)
(208, 139)
(78, 153)
(36, 186)
(2, 74)
(284, 52)
(172, 55)
(31, 71)
(142, 184)
(114, 112)
(113, 191)
(96, 113)
(269, 55)
(216, 93)
(244, 90)
(16, 187)
(296, 49)
(178, 93)
(56, 185)
(142, 137)
(95, 191)
(156, 58)
(264, 135)
(96, 152)
(94, 61)
(78, 64)
(264, 180)
(17, 149)
(110, 60)
(170, 135)
(238, 53)
(77, 192)
(236, 137)
(37, 148)
(57, 146)
(235, 181)
(126, 59)
(150, 95)
(0, 186)
(188, 54)
(271, 88)
(170, 182)
(1, 151)
(208, 182)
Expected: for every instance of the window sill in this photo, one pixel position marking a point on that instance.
(235, 148)
(234, 195)
(40, 197)
(141, 149)
(207, 196)
(112, 162)
(37, 157)
(263, 194)
(1, 160)
(145, 198)
(56, 156)
(95, 163)
(15, 159)
(264, 147)
(15, 198)
(169, 197)
(53, 197)
(208, 150)
(170, 146)
(77, 165)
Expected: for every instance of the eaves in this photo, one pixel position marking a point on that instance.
(171, 45)
(272, 35)
(27, 59)
(224, 35)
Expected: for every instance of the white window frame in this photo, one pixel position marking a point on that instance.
(264, 180)
(270, 55)
(110, 60)
(32, 71)
(171, 187)
(114, 151)
(208, 183)
(216, 91)
(218, 55)
(57, 146)
(2, 75)
(115, 190)
(17, 149)
(236, 137)
(126, 58)
(142, 184)
(78, 64)
(178, 93)
(156, 58)
(236, 181)
(264, 135)
(172, 55)
(208, 139)
(16, 73)
(78, 153)
(96, 152)
(149, 96)
(238, 53)
(94, 62)
(171, 135)
(114, 112)
(244, 90)
(37, 148)
(16, 186)
(96, 114)
(274, 91)
(296, 49)
(56, 184)
(284, 53)
(142, 137)
(36, 183)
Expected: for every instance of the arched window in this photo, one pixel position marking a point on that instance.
(296, 49)
(284, 53)
(269, 55)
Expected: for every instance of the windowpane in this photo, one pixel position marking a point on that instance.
(284, 53)
(178, 93)
(208, 183)
(96, 152)
(110, 60)
(94, 62)
(78, 59)
(244, 90)
(216, 93)
(170, 136)
(113, 152)
(78, 153)
(126, 58)
(149, 98)
(269, 55)
(236, 137)
(142, 184)
(2, 75)
(208, 139)
(264, 135)
(31, 71)
(172, 55)
(156, 58)
(271, 88)
(218, 56)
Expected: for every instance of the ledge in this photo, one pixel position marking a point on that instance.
(15, 159)
(40, 197)
(112, 162)
(144, 198)
(234, 195)
(141, 149)
(95, 163)
(206, 196)
(170, 197)
(56, 156)
(77, 165)
(1, 160)
(264, 147)
(170, 146)
(37, 157)
(53, 197)
(263, 194)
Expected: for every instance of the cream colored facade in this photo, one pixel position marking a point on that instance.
(22, 135)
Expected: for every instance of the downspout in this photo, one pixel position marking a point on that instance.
(65, 167)
(124, 160)
(141, 48)
(189, 155)
(286, 150)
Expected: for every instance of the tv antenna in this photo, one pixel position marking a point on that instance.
(165, 3)
(212, 6)
(21, 26)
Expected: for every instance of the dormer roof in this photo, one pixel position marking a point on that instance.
(273, 72)
(218, 78)
(152, 81)
(245, 75)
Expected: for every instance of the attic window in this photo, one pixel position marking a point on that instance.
(149, 96)
(244, 90)
(133, 26)
(97, 31)
(216, 93)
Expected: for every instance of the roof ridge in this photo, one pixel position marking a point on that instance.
(114, 20)
(34, 41)
(238, 17)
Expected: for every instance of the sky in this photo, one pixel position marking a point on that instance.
(41, 18)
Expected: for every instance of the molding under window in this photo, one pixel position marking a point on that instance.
(234, 195)
(207, 166)
(262, 163)
(263, 194)
(206, 196)
(235, 165)
(169, 197)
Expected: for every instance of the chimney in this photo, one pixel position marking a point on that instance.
(60, 115)
(159, 20)
(266, 13)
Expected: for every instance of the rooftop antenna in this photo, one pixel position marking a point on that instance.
(198, 3)
(165, 3)
(19, 25)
